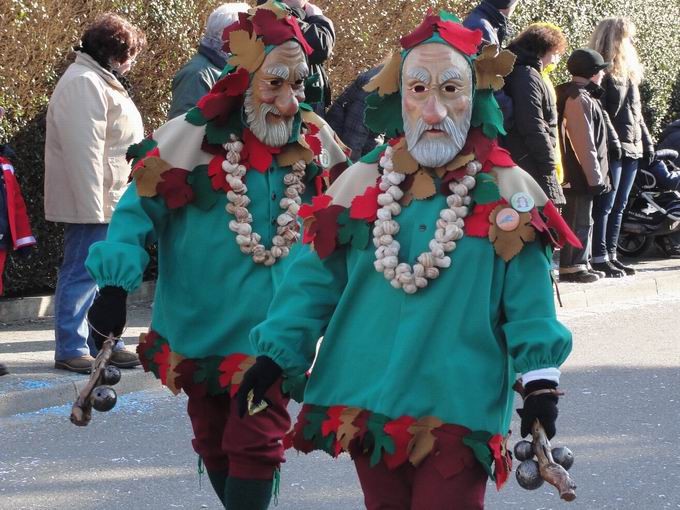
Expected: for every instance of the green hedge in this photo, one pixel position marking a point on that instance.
(36, 37)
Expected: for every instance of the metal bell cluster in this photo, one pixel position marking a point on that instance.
(528, 473)
(104, 397)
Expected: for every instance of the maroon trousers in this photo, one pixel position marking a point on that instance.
(430, 486)
(246, 448)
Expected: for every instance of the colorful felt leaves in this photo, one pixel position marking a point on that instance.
(510, 231)
(248, 52)
(452, 31)
(387, 80)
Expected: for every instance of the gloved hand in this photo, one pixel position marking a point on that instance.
(259, 378)
(107, 315)
(598, 189)
(615, 152)
(542, 406)
(647, 157)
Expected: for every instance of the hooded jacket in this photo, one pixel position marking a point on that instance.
(670, 138)
(91, 122)
(488, 19)
(533, 138)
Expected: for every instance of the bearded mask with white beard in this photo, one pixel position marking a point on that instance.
(436, 152)
(272, 134)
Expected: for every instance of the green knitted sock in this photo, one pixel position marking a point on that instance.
(219, 481)
(243, 494)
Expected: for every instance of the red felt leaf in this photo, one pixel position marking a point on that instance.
(175, 189)
(336, 171)
(256, 154)
(555, 222)
(224, 95)
(500, 157)
(162, 358)
(155, 153)
(365, 207)
(185, 373)
(326, 223)
(228, 367)
(477, 224)
(314, 144)
(218, 176)
(394, 141)
(148, 344)
(422, 32)
(276, 31)
(210, 148)
(333, 422)
(501, 460)
(318, 202)
(461, 38)
(296, 437)
(478, 143)
(242, 24)
(398, 431)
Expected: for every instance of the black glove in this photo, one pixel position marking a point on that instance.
(647, 157)
(259, 378)
(615, 152)
(542, 406)
(107, 315)
(598, 189)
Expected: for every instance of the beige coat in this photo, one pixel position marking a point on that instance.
(91, 121)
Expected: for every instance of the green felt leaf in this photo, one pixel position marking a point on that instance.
(478, 443)
(356, 231)
(306, 107)
(295, 386)
(207, 371)
(312, 431)
(487, 114)
(312, 171)
(374, 155)
(383, 114)
(313, 89)
(447, 16)
(486, 190)
(227, 69)
(204, 195)
(138, 151)
(195, 117)
(379, 439)
(297, 124)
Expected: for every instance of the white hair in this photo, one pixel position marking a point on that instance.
(219, 19)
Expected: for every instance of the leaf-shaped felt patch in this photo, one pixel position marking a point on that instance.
(139, 151)
(422, 443)
(172, 375)
(204, 195)
(402, 159)
(379, 439)
(399, 431)
(509, 244)
(247, 50)
(486, 190)
(383, 114)
(478, 442)
(274, 6)
(491, 66)
(237, 377)
(487, 114)
(423, 186)
(387, 80)
(294, 152)
(148, 176)
(356, 231)
(347, 430)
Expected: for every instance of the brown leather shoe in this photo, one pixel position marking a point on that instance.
(124, 359)
(80, 365)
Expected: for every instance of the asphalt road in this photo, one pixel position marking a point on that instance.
(621, 417)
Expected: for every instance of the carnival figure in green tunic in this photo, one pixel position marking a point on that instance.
(428, 276)
(219, 191)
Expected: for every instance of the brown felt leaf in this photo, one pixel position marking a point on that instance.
(509, 244)
(347, 430)
(247, 50)
(311, 118)
(459, 162)
(387, 80)
(423, 186)
(243, 367)
(294, 152)
(402, 159)
(491, 66)
(149, 175)
(422, 442)
(406, 199)
(173, 360)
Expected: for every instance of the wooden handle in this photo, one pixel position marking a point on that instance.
(551, 471)
(81, 412)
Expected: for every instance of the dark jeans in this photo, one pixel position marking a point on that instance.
(577, 213)
(608, 209)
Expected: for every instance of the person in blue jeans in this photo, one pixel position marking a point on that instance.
(629, 140)
(91, 121)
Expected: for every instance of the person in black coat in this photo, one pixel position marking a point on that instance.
(319, 33)
(629, 141)
(670, 139)
(532, 137)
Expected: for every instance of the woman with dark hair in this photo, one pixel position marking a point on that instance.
(532, 137)
(91, 121)
(629, 142)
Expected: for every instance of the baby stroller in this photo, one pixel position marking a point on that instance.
(653, 211)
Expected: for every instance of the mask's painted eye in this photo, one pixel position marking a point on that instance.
(450, 88)
(299, 83)
(276, 82)
(419, 89)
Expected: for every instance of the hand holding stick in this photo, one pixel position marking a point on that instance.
(550, 471)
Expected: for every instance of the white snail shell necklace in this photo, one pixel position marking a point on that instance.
(287, 230)
(449, 229)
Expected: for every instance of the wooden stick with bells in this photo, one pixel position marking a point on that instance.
(552, 465)
(98, 392)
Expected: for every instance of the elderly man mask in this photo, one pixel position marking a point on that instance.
(273, 98)
(436, 103)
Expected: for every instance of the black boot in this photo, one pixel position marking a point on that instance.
(609, 269)
(3, 370)
(579, 277)
(243, 494)
(626, 269)
(218, 481)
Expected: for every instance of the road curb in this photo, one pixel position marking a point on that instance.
(18, 309)
(592, 295)
(63, 392)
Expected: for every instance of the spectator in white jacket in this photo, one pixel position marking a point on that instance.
(91, 121)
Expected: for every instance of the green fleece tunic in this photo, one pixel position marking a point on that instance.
(451, 351)
(209, 295)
